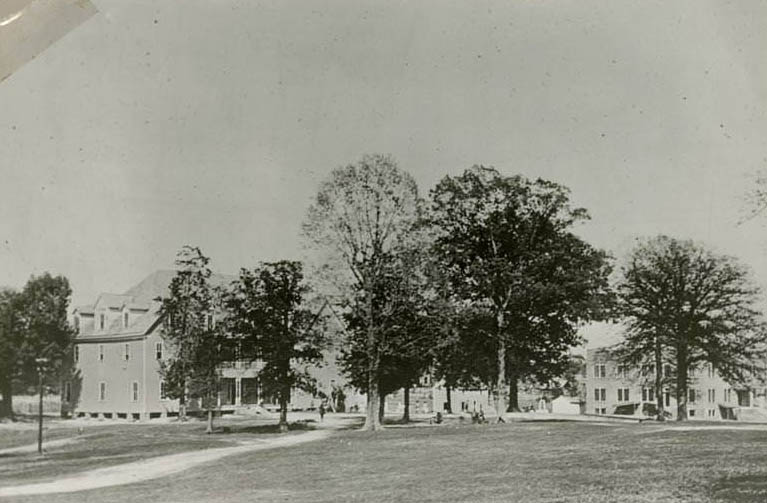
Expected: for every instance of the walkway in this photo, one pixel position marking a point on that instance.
(157, 467)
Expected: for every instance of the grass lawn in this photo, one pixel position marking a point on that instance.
(104, 444)
(517, 462)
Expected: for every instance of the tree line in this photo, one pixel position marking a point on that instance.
(481, 283)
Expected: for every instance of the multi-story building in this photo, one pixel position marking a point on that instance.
(613, 388)
(118, 353)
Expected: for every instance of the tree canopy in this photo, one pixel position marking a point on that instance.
(514, 265)
(268, 318)
(363, 217)
(685, 306)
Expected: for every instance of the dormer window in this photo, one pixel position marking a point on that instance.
(77, 323)
(125, 319)
(102, 321)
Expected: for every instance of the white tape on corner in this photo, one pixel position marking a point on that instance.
(28, 27)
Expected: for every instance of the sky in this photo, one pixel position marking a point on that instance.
(151, 126)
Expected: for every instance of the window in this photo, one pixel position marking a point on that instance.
(158, 350)
(711, 396)
(127, 352)
(667, 396)
(102, 391)
(727, 394)
(102, 321)
(648, 370)
(209, 321)
(623, 394)
(599, 370)
(163, 391)
(125, 319)
(134, 391)
(67, 391)
(603, 411)
(667, 370)
(711, 413)
(691, 413)
(711, 371)
(623, 371)
(648, 395)
(77, 323)
(693, 394)
(101, 352)
(600, 394)
(77, 353)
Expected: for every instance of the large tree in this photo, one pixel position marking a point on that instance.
(684, 306)
(267, 316)
(364, 214)
(513, 263)
(33, 325)
(198, 345)
(406, 330)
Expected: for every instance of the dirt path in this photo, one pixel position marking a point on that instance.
(157, 467)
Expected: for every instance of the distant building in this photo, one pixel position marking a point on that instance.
(616, 389)
(119, 349)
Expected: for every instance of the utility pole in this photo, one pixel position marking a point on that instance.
(40, 369)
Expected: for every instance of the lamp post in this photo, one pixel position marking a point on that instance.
(40, 369)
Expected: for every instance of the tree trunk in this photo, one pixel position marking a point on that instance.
(374, 401)
(209, 429)
(659, 380)
(448, 391)
(182, 403)
(513, 394)
(6, 405)
(681, 386)
(284, 399)
(381, 409)
(406, 414)
(500, 384)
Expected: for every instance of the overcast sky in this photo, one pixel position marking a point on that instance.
(153, 125)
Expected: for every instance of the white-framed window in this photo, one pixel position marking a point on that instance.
(622, 371)
(158, 350)
(101, 352)
(600, 371)
(134, 391)
(600, 394)
(127, 352)
(77, 353)
(711, 371)
(711, 413)
(727, 395)
(648, 395)
(667, 398)
(623, 394)
(125, 319)
(102, 391)
(691, 413)
(102, 321)
(163, 390)
(693, 394)
(711, 396)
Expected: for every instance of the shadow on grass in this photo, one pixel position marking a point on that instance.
(743, 488)
(265, 428)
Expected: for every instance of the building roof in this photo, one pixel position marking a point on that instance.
(142, 297)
